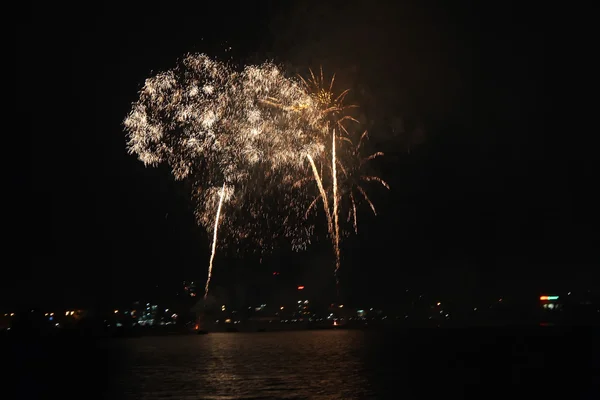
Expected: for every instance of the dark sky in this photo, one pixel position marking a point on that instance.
(486, 194)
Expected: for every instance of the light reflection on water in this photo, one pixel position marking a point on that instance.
(281, 365)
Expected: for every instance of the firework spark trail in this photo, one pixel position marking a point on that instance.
(335, 209)
(311, 205)
(214, 243)
(323, 193)
(354, 212)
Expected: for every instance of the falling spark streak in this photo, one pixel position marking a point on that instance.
(364, 135)
(214, 243)
(311, 206)
(354, 212)
(376, 179)
(362, 191)
(335, 208)
(371, 157)
(323, 193)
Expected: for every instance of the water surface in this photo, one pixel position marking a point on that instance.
(282, 365)
(330, 364)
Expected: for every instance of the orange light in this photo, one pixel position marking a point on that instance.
(197, 327)
(548, 297)
(300, 287)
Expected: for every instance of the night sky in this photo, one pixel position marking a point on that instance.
(486, 192)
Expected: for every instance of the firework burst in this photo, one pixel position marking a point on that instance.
(255, 145)
(337, 127)
(214, 127)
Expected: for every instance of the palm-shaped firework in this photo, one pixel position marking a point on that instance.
(338, 168)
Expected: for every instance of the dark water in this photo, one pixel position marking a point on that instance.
(314, 365)
(290, 365)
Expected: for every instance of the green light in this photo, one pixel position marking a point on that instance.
(549, 298)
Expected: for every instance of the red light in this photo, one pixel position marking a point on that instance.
(275, 273)
(300, 287)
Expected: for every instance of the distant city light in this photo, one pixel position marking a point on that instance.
(438, 303)
(549, 298)
(116, 311)
(341, 306)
